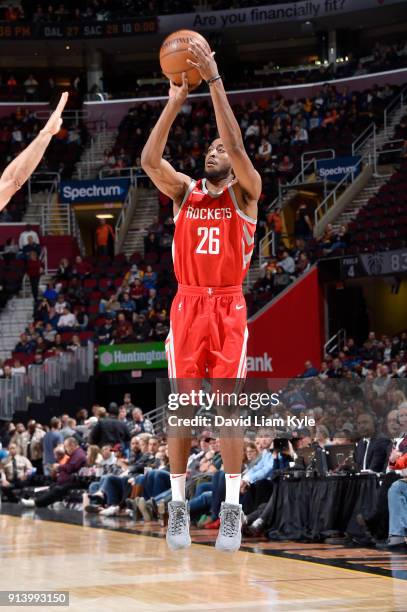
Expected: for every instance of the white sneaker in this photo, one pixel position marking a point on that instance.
(110, 511)
(230, 530)
(28, 503)
(178, 525)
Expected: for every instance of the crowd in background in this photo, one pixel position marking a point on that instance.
(112, 462)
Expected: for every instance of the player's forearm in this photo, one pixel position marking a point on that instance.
(228, 127)
(154, 148)
(25, 163)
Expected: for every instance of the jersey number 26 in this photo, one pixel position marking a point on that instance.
(209, 244)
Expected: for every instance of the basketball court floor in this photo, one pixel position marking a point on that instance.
(115, 564)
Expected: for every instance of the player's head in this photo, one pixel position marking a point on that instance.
(217, 162)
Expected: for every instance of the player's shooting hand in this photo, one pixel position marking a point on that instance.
(204, 60)
(179, 92)
(54, 123)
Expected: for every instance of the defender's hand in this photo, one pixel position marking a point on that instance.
(54, 123)
(204, 60)
(179, 92)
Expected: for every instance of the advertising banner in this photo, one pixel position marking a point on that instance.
(287, 333)
(265, 15)
(143, 356)
(335, 169)
(109, 190)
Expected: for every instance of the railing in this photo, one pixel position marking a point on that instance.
(269, 240)
(336, 342)
(157, 418)
(42, 178)
(63, 371)
(364, 139)
(74, 114)
(121, 221)
(85, 168)
(393, 107)
(315, 157)
(130, 172)
(330, 200)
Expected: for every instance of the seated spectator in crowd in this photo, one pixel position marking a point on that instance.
(309, 370)
(124, 329)
(67, 321)
(15, 473)
(127, 304)
(29, 232)
(105, 332)
(300, 135)
(26, 345)
(128, 405)
(149, 278)
(139, 423)
(281, 279)
(65, 477)
(50, 294)
(142, 328)
(18, 368)
(373, 448)
(287, 262)
(80, 269)
(64, 270)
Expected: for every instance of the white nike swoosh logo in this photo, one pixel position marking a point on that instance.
(239, 307)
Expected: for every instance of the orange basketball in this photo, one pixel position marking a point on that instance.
(174, 54)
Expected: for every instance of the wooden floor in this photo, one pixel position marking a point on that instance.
(106, 570)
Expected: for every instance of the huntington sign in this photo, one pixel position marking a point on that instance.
(145, 356)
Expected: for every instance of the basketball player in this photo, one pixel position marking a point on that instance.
(21, 168)
(215, 221)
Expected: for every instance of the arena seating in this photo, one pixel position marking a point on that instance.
(87, 285)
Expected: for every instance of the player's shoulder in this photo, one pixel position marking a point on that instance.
(243, 202)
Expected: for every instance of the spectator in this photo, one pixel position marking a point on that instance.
(67, 321)
(372, 449)
(50, 441)
(65, 479)
(110, 430)
(139, 423)
(23, 238)
(34, 271)
(104, 233)
(15, 473)
(303, 225)
(287, 263)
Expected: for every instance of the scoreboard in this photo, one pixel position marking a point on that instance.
(374, 264)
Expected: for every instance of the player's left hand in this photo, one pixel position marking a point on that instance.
(204, 60)
(54, 123)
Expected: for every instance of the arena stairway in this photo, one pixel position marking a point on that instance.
(92, 158)
(145, 213)
(14, 318)
(351, 211)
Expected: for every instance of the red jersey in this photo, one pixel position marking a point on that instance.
(213, 239)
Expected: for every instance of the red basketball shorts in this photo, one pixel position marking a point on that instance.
(208, 333)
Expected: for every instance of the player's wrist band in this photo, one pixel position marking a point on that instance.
(213, 79)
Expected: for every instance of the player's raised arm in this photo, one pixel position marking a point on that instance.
(228, 127)
(174, 184)
(16, 173)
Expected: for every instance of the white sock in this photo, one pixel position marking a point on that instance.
(232, 488)
(178, 486)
